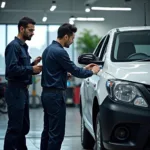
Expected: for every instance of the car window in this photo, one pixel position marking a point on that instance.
(131, 45)
(99, 46)
(104, 48)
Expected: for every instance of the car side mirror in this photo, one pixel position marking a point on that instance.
(89, 58)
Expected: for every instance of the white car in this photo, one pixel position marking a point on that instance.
(115, 103)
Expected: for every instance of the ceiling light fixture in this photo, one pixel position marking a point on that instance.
(71, 20)
(44, 18)
(53, 7)
(3, 4)
(87, 8)
(89, 19)
(111, 8)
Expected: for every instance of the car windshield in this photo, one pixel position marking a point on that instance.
(131, 46)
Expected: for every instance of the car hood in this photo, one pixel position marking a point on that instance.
(131, 71)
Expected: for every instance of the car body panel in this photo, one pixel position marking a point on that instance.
(94, 87)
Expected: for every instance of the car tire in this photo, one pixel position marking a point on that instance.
(86, 138)
(98, 135)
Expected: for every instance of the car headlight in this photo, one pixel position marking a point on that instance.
(126, 92)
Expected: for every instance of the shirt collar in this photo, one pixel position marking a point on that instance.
(21, 42)
(55, 42)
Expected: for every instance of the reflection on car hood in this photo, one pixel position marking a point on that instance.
(131, 71)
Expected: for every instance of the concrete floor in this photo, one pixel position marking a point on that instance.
(72, 135)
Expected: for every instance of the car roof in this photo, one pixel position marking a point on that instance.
(121, 29)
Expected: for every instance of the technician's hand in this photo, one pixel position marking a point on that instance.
(90, 66)
(37, 60)
(37, 69)
(69, 75)
(95, 69)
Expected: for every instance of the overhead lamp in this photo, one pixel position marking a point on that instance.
(3, 4)
(87, 8)
(112, 8)
(71, 20)
(44, 18)
(89, 19)
(53, 7)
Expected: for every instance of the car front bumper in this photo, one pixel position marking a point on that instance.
(115, 115)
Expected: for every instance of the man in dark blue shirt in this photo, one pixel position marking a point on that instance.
(19, 73)
(56, 65)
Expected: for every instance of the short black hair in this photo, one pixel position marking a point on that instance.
(64, 29)
(24, 22)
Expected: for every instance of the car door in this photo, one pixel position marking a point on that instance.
(85, 86)
(89, 84)
(93, 81)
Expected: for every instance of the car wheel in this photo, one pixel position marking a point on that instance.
(98, 144)
(86, 138)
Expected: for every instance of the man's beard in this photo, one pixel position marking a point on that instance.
(66, 45)
(27, 37)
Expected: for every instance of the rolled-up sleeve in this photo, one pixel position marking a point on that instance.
(13, 67)
(63, 59)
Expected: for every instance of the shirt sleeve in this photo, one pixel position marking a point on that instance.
(12, 62)
(32, 64)
(63, 59)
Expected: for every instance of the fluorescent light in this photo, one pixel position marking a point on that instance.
(95, 19)
(111, 8)
(71, 21)
(87, 8)
(53, 8)
(44, 19)
(81, 19)
(89, 19)
(72, 18)
(3, 4)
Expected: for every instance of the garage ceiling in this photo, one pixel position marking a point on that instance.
(15, 9)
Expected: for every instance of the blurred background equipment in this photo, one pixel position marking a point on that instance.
(3, 105)
(35, 99)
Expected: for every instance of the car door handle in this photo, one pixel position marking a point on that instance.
(87, 81)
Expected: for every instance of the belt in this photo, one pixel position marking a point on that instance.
(49, 89)
(17, 84)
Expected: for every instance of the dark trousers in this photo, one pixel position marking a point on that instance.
(17, 99)
(54, 120)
